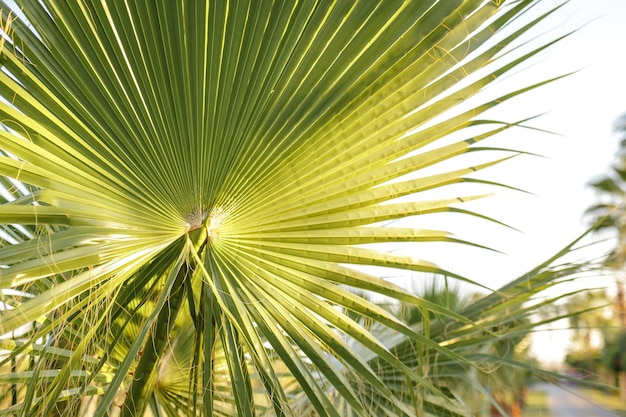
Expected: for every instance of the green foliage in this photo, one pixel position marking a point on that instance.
(608, 213)
(191, 191)
(614, 354)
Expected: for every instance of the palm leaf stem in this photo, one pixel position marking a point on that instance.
(154, 347)
(210, 339)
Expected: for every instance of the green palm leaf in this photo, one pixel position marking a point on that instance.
(196, 179)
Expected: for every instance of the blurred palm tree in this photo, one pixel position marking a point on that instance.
(610, 215)
(185, 188)
(586, 313)
(503, 385)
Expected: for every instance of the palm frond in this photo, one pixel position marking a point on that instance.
(203, 175)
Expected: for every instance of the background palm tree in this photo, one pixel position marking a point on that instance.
(186, 187)
(610, 188)
(504, 384)
(590, 321)
(609, 214)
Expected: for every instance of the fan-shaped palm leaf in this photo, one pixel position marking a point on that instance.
(198, 175)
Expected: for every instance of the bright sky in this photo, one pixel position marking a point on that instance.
(582, 108)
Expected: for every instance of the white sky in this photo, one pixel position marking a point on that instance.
(582, 108)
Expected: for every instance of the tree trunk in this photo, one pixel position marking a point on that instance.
(621, 313)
